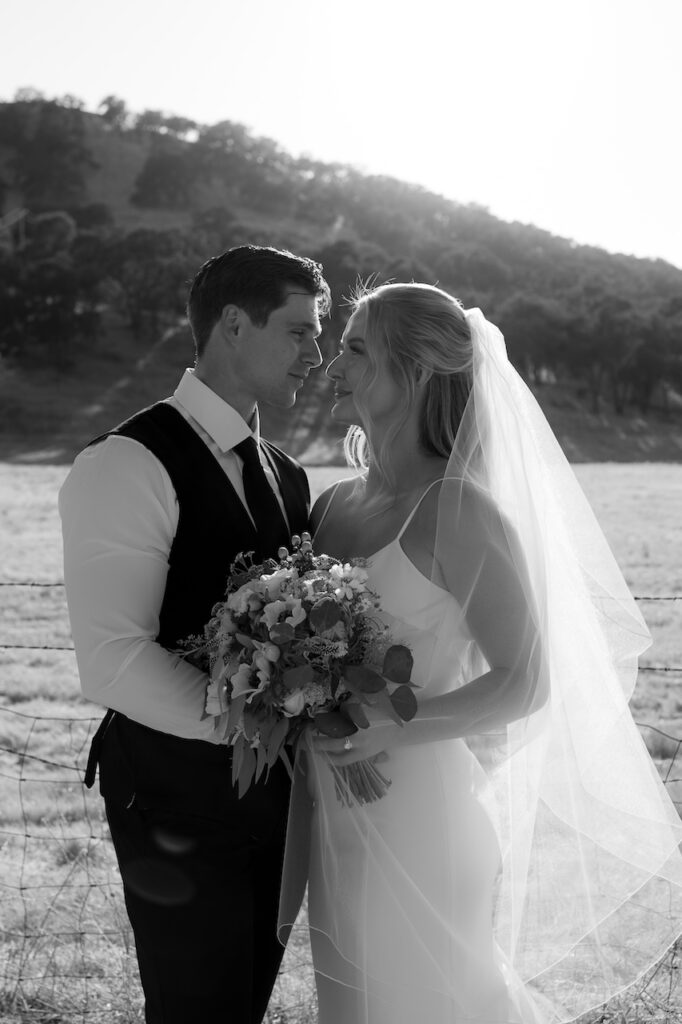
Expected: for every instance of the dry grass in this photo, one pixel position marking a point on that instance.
(66, 954)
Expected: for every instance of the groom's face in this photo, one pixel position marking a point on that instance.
(273, 361)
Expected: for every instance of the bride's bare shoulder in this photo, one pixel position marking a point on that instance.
(458, 506)
(340, 490)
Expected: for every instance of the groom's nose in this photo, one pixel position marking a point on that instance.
(311, 354)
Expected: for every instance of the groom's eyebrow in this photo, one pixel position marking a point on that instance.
(309, 325)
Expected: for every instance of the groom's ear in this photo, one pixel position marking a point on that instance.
(231, 322)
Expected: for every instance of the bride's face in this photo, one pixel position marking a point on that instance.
(365, 390)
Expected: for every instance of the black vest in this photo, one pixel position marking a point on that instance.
(213, 527)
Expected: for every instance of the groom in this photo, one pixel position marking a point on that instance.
(153, 514)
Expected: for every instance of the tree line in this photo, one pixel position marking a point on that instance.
(610, 324)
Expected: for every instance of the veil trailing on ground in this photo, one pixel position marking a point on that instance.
(540, 640)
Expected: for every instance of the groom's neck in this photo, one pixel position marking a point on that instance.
(244, 404)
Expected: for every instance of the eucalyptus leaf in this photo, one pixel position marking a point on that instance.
(324, 615)
(334, 724)
(282, 632)
(352, 688)
(382, 700)
(353, 711)
(298, 676)
(398, 663)
(404, 702)
(360, 677)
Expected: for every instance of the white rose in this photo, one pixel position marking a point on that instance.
(294, 704)
(272, 612)
(296, 612)
(271, 651)
(275, 582)
(261, 664)
(239, 601)
(242, 681)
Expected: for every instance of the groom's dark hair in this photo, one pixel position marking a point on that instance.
(255, 278)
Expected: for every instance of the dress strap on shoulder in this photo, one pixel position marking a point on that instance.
(327, 507)
(414, 510)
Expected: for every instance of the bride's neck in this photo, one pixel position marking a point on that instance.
(411, 469)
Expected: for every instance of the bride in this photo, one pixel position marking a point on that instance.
(523, 865)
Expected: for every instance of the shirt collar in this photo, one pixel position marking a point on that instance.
(214, 415)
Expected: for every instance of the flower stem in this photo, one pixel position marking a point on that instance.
(360, 782)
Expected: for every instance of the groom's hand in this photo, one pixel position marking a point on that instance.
(220, 733)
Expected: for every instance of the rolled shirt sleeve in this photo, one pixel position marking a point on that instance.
(119, 515)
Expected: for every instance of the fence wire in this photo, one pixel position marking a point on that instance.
(66, 949)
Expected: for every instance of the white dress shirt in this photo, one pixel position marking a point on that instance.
(119, 514)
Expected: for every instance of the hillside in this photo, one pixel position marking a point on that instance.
(111, 214)
(48, 417)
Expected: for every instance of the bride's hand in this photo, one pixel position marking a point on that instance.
(381, 736)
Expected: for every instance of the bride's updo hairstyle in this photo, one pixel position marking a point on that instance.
(423, 330)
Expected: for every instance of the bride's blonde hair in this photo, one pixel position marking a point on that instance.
(423, 330)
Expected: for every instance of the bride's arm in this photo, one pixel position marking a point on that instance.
(484, 570)
(479, 560)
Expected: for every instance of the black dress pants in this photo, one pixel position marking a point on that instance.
(202, 898)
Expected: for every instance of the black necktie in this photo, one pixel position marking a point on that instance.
(265, 510)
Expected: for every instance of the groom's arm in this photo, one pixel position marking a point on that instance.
(119, 516)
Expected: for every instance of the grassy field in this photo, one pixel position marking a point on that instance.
(66, 952)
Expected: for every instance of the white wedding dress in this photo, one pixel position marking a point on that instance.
(400, 891)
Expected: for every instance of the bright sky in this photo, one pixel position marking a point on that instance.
(563, 113)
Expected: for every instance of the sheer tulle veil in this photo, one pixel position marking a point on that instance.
(590, 891)
(589, 887)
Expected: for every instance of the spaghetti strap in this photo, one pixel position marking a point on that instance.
(412, 513)
(327, 507)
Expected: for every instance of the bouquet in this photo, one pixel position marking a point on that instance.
(294, 642)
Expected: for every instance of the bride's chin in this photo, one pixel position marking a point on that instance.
(341, 415)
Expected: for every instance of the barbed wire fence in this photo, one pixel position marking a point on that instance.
(66, 948)
(66, 952)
